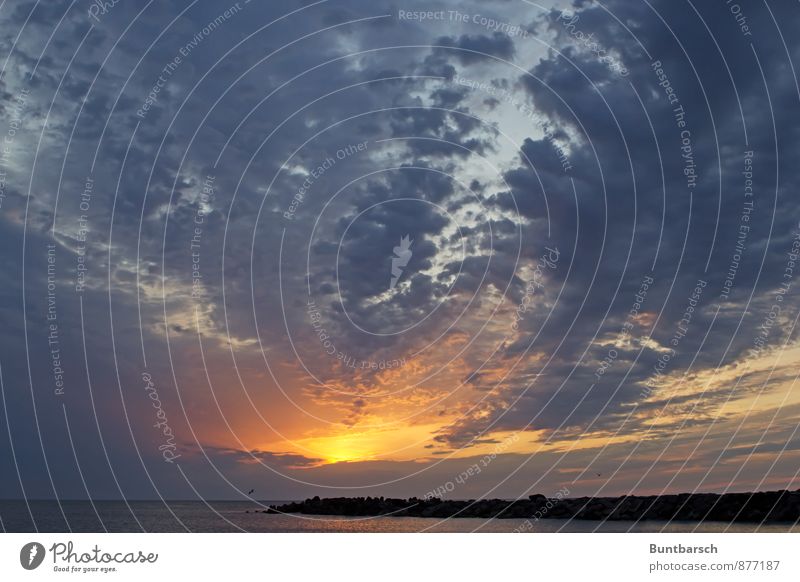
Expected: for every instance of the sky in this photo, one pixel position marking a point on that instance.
(479, 249)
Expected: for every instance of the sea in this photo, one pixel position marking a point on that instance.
(238, 516)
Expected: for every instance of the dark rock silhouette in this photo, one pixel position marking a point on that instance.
(761, 507)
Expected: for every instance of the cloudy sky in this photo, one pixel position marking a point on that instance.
(350, 247)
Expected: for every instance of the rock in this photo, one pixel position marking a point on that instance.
(761, 507)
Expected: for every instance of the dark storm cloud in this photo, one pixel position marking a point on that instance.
(618, 225)
(283, 460)
(441, 132)
(476, 48)
(630, 225)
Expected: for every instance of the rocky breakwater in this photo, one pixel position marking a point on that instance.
(761, 507)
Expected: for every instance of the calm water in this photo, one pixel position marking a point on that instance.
(232, 516)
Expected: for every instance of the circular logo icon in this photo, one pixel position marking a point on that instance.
(31, 555)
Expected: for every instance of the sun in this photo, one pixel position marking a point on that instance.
(343, 449)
